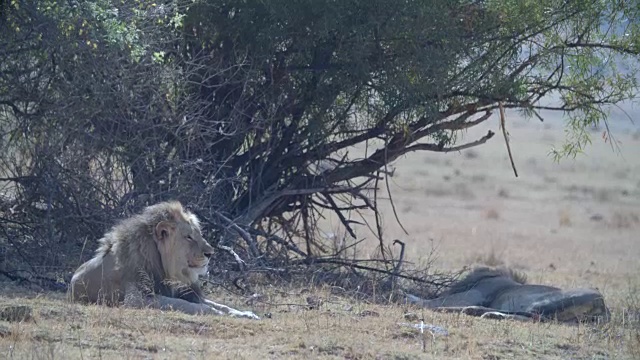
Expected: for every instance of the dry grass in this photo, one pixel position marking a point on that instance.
(491, 259)
(624, 219)
(339, 329)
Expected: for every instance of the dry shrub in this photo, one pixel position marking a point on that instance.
(564, 218)
(407, 207)
(603, 195)
(478, 178)
(437, 192)
(624, 220)
(471, 154)
(464, 191)
(492, 214)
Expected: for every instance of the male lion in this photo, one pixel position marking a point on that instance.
(151, 259)
(502, 293)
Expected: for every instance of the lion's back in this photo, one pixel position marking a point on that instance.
(97, 281)
(519, 297)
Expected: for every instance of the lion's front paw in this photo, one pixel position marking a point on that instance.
(244, 314)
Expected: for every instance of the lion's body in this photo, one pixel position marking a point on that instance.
(494, 290)
(150, 259)
(99, 270)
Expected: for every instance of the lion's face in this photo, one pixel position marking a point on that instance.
(184, 252)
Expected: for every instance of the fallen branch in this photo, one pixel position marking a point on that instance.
(352, 265)
(289, 245)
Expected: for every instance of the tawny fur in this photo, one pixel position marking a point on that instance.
(152, 258)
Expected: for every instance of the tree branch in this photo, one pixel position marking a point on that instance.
(438, 148)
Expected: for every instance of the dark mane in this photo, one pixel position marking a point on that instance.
(481, 273)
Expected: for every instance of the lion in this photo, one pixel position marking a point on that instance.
(503, 293)
(152, 259)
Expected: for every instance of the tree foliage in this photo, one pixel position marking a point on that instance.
(251, 111)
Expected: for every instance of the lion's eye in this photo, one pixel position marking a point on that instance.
(189, 238)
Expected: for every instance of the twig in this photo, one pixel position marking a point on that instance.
(340, 215)
(377, 218)
(239, 260)
(18, 178)
(506, 138)
(397, 268)
(51, 283)
(323, 204)
(393, 204)
(437, 148)
(253, 246)
(347, 247)
(367, 268)
(270, 198)
(289, 245)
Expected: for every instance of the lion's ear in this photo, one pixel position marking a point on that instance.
(164, 229)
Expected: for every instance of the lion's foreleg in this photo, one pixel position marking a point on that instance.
(231, 311)
(134, 298)
(167, 303)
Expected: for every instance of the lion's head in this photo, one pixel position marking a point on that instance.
(183, 251)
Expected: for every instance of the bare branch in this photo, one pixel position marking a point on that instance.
(438, 148)
(506, 139)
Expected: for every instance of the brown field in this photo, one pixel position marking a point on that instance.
(571, 224)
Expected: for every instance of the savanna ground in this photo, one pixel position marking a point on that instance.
(572, 224)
